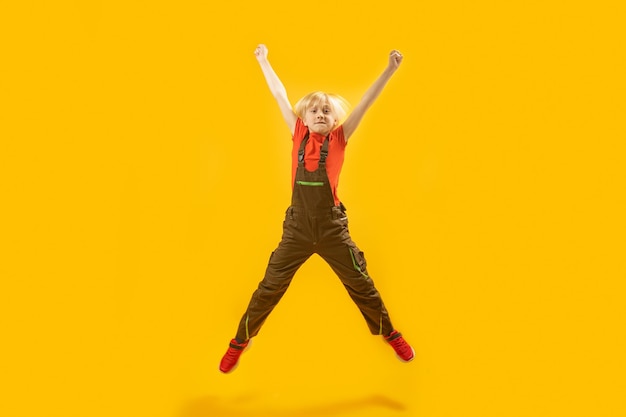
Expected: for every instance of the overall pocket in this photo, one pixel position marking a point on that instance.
(358, 261)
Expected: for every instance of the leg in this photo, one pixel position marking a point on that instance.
(348, 262)
(282, 266)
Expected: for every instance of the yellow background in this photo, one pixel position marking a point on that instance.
(145, 172)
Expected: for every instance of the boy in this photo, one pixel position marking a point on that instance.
(316, 221)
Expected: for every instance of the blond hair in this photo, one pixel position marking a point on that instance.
(338, 105)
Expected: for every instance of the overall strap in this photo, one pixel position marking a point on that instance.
(301, 150)
(324, 151)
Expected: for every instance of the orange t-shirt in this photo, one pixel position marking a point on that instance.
(336, 150)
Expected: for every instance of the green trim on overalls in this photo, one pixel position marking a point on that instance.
(311, 183)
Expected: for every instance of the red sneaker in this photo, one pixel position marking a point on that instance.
(230, 359)
(404, 351)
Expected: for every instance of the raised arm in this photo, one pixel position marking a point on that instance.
(276, 87)
(353, 120)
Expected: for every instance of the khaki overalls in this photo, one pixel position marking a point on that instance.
(313, 224)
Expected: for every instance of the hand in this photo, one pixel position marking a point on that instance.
(395, 58)
(261, 52)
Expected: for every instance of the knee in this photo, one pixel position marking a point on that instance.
(274, 284)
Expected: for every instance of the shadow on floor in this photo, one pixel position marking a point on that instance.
(216, 407)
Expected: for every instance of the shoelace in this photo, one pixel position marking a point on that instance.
(234, 352)
(400, 345)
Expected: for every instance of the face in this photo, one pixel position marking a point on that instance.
(320, 118)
